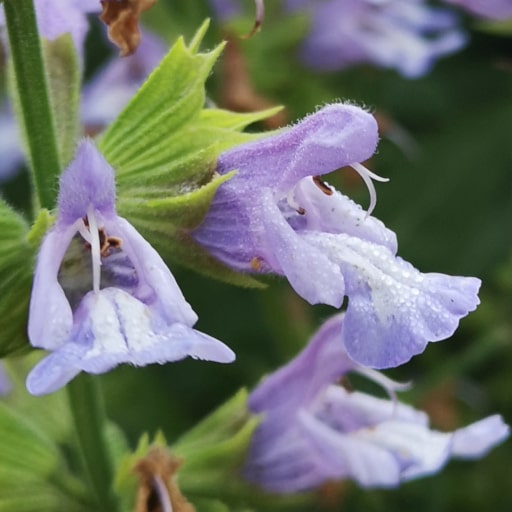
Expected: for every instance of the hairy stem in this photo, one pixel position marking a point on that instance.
(89, 417)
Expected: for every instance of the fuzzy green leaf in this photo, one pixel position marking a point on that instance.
(63, 76)
(17, 257)
(33, 475)
(147, 134)
(25, 448)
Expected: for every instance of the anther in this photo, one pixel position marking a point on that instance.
(256, 263)
(293, 204)
(258, 20)
(367, 176)
(322, 186)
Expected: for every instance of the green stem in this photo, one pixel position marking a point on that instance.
(32, 91)
(89, 417)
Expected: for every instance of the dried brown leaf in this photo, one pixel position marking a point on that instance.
(122, 19)
(158, 490)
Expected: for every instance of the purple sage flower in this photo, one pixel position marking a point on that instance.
(276, 216)
(101, 294)
(406, 35)
(313, 430)
(492, 9)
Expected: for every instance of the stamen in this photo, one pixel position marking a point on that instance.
(256, 263)
(258, 20)
(95, 249)
(293, 204)
(83, 229)
(390, 386)
(367, 176)
(322, 186)
(108, 243)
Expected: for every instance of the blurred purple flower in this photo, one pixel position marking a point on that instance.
(58, 17)
(225, 9)
(54, 18)
(492, 9)
(11, 155)
(406, 35)
(102, 98)
(275, 216)
(314, 430)
(139, 317)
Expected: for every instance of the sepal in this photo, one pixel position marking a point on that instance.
(214, 452)
(166, 166)
(210, 457)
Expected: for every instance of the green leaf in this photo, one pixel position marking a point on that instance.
(25, 448)
(214, 452)
(498, 28)
(17, 257)
(57, 425)
(148, 131)
(63, 75)
(211, 506)
(33, 476)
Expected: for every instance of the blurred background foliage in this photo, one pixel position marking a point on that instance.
(446, 146)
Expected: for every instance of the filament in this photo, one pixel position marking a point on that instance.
(94, 240)
(367, 176)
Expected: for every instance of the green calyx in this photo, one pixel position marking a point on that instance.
(164, 146)
(211, 459)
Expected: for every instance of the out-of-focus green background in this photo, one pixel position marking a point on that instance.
(447, 148)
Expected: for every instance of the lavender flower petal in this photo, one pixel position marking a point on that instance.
(391, 300)
(113, 327)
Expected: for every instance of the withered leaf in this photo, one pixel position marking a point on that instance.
(158, 490)
(122, 19)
